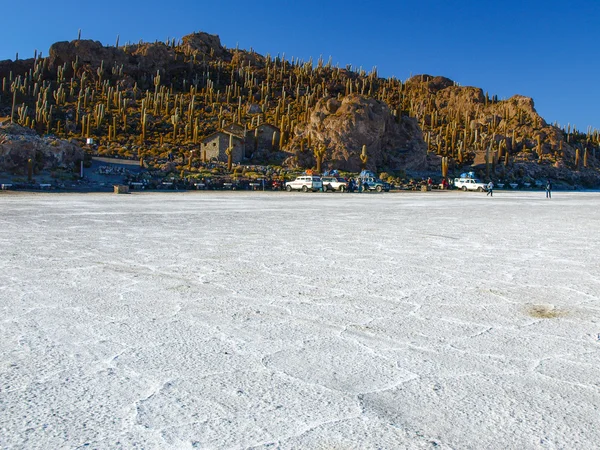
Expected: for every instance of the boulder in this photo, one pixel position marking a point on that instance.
(18, 144)
(393, 143)
(206, 44)
(88, 52)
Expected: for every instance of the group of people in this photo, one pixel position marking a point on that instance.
(490, 189)
(357, 185)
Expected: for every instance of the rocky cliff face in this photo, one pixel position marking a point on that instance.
(18, 144)
(345, 126)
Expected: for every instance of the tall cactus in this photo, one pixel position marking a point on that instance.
(144, 117)
(229, 153)
(175, 122)
(14, 102)
(364, 158)
(319, 153)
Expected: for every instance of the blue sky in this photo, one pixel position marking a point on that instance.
(547, 50)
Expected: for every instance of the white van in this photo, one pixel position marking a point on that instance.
(305, 183)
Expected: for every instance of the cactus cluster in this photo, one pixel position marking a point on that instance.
(171, 111)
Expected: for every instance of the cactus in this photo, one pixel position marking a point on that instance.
(319, 153)
(175, 122)
(14, 101)
(444, 167)
(364, 158)
(229, 153)
(143, 135)
(22, 111)
(156, 82)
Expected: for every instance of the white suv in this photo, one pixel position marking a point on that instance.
(305, 183)
(469, 184)
(334, 184)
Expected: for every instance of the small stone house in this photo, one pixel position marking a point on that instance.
(215, 145)
(265, 135)
(260, 139)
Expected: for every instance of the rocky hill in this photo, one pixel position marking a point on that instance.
(18, 145)
(149, 100)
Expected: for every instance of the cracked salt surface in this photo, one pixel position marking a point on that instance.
(276, 320)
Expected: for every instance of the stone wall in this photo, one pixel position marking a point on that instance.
(215, 147)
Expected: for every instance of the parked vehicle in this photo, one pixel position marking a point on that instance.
(369, 181)
(375, 184)
(334, 184)
(304, 183)
(469, 184)
(277, 185)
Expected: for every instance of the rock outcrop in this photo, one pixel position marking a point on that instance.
(345, 126)
(18, 144)
(135, 57)
(208, 45)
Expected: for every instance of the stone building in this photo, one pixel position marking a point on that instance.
(266, 131)
(214, 146)
(259, 141)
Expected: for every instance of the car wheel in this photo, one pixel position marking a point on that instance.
(304, 189)
(464, 188)
(479, 189)
(288, 188)
(342, 188)
(379, 189)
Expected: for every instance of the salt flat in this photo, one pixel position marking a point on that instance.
(320, 321)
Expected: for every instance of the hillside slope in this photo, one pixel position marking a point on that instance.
(149, 100)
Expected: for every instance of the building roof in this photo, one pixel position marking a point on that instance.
(212, 135)
(264, 125)
(234, 128)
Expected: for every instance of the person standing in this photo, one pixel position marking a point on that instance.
(548, 189)
(490, 189)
